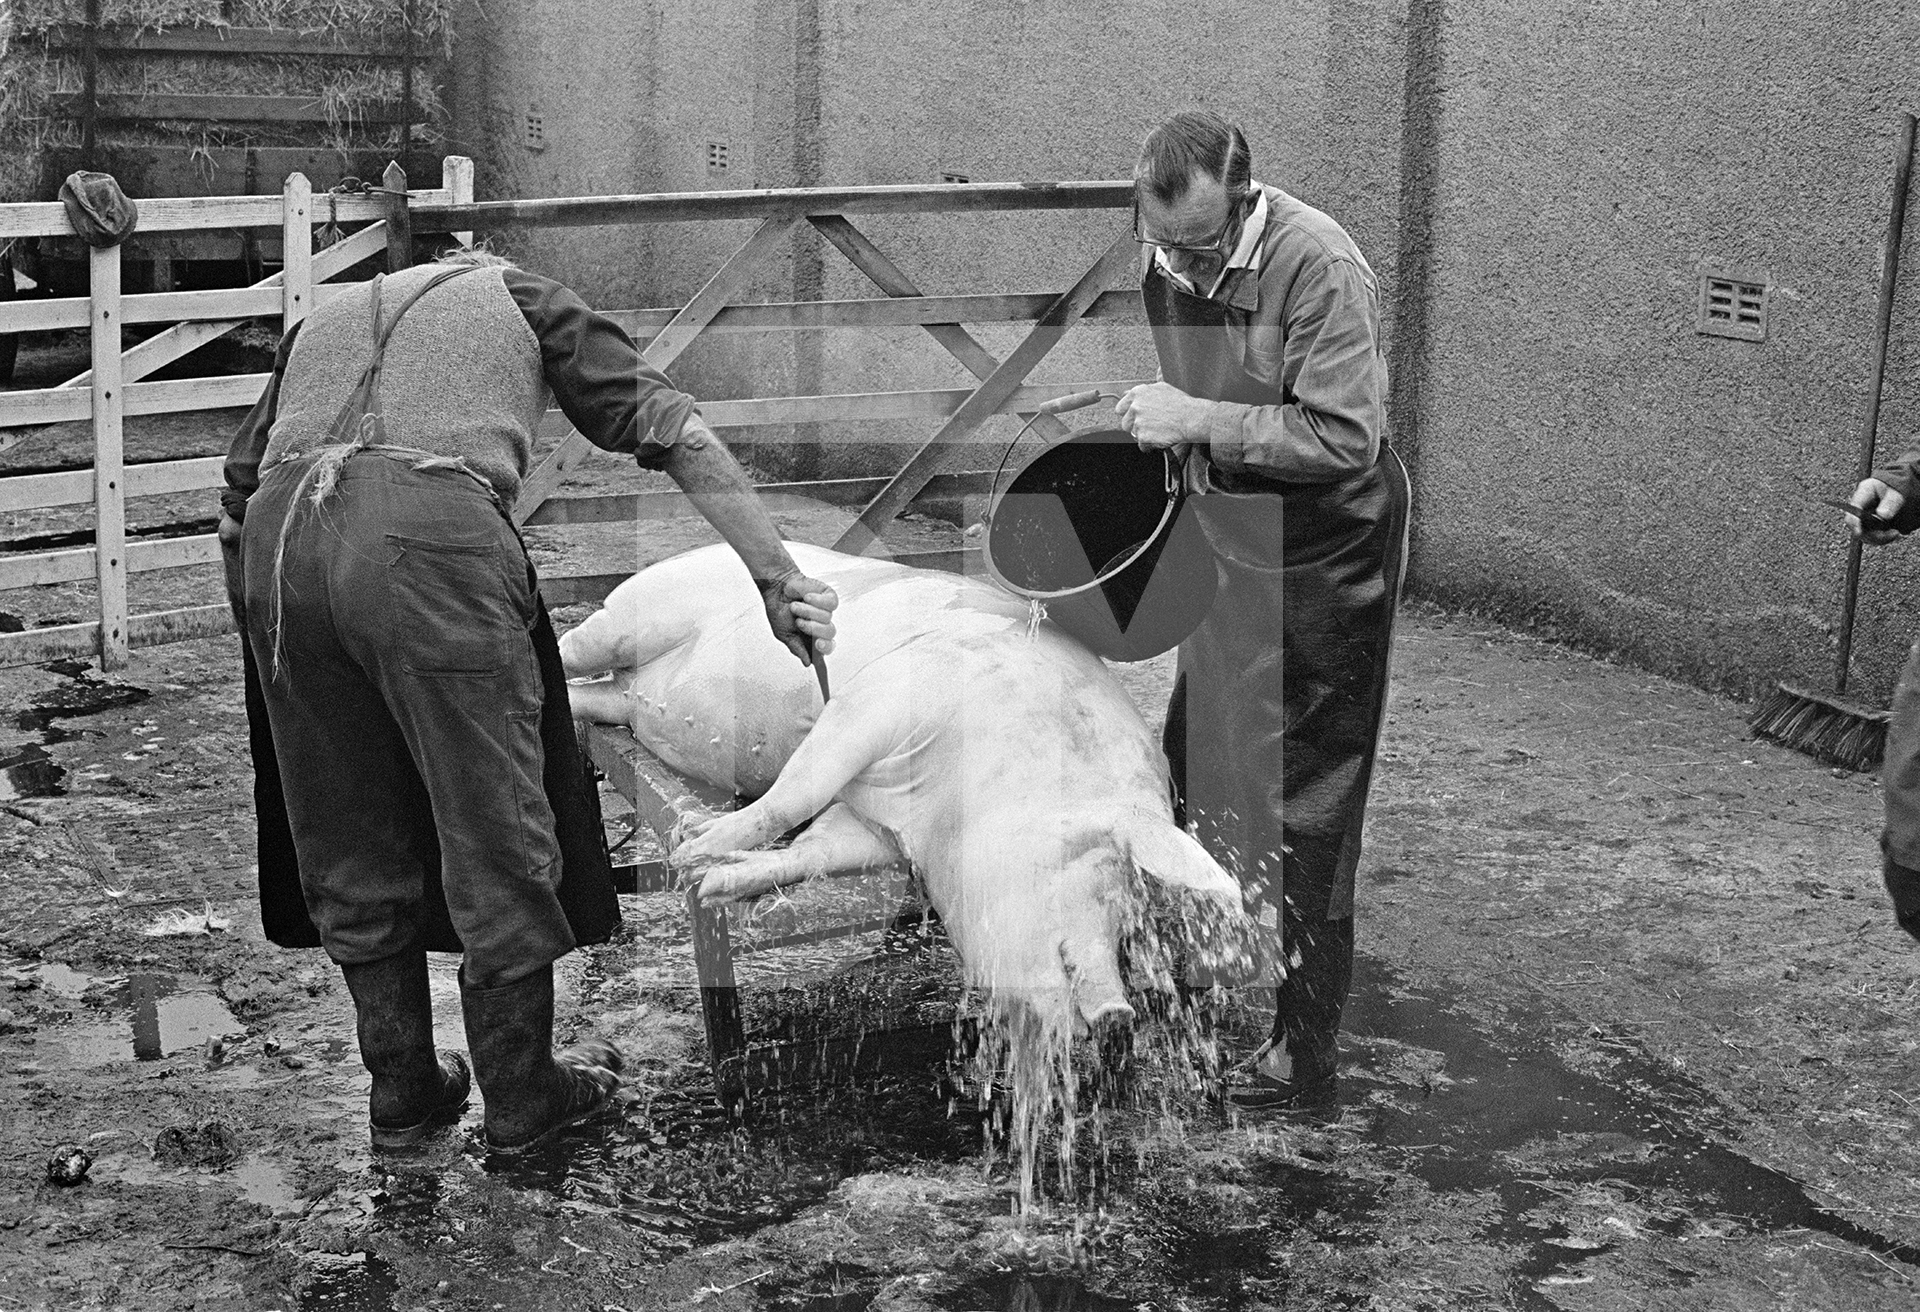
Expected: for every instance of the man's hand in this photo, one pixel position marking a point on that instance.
(800, 609)
(1875, 498)
(230, 529)
(1162, 417)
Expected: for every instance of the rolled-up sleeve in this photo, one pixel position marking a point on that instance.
(601, 383)
(1328, 361)
(242, 469)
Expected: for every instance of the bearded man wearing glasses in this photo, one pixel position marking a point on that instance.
(1266, 319)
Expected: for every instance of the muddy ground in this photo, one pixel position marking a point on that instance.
(1633, 1030)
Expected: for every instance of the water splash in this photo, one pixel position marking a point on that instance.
(1049, 1087)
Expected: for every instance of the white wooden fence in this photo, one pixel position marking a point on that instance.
(114, 388)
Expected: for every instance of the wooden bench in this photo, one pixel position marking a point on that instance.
(840, 905)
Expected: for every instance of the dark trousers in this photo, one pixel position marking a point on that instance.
(1276, 714)
(405, 700)
(1900, 787)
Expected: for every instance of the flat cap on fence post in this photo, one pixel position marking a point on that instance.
(99, 211)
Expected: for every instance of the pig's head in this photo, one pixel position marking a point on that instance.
(1121, 908)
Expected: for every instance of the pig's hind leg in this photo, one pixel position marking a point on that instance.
(623, 636)
(841, 744)
(604, 701)
(837, 842)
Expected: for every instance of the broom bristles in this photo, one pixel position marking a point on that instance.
(1824, 726)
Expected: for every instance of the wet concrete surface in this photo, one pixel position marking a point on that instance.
(1605, 1051)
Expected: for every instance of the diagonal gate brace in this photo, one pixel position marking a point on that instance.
(663, 350)
(888, 277)
(941, 451)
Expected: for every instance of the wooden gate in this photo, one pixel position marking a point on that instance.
(114, 387)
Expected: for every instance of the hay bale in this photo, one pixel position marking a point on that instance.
(34, 75)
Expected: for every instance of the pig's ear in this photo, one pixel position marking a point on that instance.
(1172, 856)
(1223, 943)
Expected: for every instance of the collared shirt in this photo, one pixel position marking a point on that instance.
(1246, 252)
(1302, 318)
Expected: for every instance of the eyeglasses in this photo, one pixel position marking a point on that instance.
(1214, 245)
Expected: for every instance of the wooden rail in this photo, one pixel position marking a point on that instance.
(236, 108)
(117, 385)
(92, 43)
(957, 198)
(226, 41)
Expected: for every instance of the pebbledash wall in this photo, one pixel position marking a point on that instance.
(1586, 456)
(1542, 185)
(641, 96)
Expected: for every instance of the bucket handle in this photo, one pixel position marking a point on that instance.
(1058, 406)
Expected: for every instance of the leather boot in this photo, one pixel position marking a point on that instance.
(531, 1092)
(1903, 886)
(414, 1088)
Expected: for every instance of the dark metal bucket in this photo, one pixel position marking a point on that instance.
(1099, 532)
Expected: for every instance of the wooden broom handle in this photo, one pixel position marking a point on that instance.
(1870, 423)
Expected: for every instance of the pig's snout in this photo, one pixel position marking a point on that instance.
(1093, 977)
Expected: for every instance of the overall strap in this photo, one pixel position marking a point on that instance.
(362, 405)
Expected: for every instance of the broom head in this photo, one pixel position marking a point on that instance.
(1824, 726)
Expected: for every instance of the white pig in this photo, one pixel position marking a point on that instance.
(1000, 757)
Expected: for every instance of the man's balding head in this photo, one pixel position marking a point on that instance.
(1196, 142)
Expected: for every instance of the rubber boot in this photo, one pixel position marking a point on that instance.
(1303, 1054)
(1903, 886)
(531, 1092)
(414, 1088)
(1299, 1063)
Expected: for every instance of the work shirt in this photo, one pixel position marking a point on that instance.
(466, 376)
(1302, 319)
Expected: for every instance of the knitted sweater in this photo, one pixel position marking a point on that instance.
(466, 375)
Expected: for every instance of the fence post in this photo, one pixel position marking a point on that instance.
(109, 477)
(296, 251)
(456, 175)
(399, 223)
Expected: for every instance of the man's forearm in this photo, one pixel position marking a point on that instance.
(1290, 442)
(720, 489)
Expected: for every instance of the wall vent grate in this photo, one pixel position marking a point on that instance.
(1733, 307)
(954, 177)
(717, 161)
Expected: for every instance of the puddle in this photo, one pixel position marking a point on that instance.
(1020, 1292)
(164, 1018)
(264, 1182)
(64, 981)
(845, 1287)
(349, 1282)
(685, 1175)
(257, 1179)
(28, 770)
(1521, 1125)
(1544, 1159)
(83, 696)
